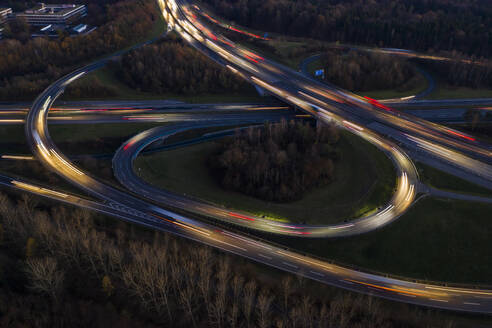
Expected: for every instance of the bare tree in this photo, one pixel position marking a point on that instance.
(323, 318)
(237, 284)
(249, 299)
(186, 298)
(307, 311)
(263, 308)
(287, 291)
(45, 276)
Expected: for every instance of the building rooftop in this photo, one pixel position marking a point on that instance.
(52, 10)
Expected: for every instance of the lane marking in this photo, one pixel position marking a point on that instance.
(264, 256)
(290, 264)
(459, 290)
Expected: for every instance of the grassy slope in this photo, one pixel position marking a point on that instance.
(445, 181)
(363, 176)
(124, 92)
(436, 240)
(445, 91)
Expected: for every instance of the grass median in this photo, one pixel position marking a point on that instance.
(442, 180)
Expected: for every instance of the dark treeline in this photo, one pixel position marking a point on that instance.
(27, 68)
(463, 71)
(278, 162)
(171, 66)
(61, 267)
(415, 24)
(359, 71)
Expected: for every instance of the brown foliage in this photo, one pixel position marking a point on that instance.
(366, 72)
(278, 162)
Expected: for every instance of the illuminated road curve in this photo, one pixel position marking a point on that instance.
(400, 202)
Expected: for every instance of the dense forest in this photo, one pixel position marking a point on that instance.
(414, 24)
(26, 68)
(462, 71)
(278, 162)
(171, 66)
(61, 267)
(361, 71)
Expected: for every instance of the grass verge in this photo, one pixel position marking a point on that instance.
(442, 180)
(446, 91)
(439, 240)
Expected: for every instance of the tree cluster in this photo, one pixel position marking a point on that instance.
(278, 162)
(61, 267)
(414, 24)
(463, 71)
(358, 71)
(27, 68)
(171, 66)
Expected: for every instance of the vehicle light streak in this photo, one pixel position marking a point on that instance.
(377, 104)
(67, 164)
(17, 157)
(457, 290)
(456, 133)
(249, 241)
(324, 94)
(179, 224)
(20, 120)
(293, 232)
(307, 260)
(352, 125)
(37, 189)
(402, 291)
(345, 226)
(239, 216)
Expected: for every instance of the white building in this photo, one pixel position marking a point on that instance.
(4, 15)
(43, 14)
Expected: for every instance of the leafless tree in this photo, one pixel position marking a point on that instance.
(248, 300)
(307, 311)
(45, 276)
(263, 309)
(186, 294)
(286, 291)
(323, 318)
(237, 284)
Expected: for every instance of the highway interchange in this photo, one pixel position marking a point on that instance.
(399, 135)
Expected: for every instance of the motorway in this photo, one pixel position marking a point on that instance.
(326, 103)
(159, 111)
(156, 113)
